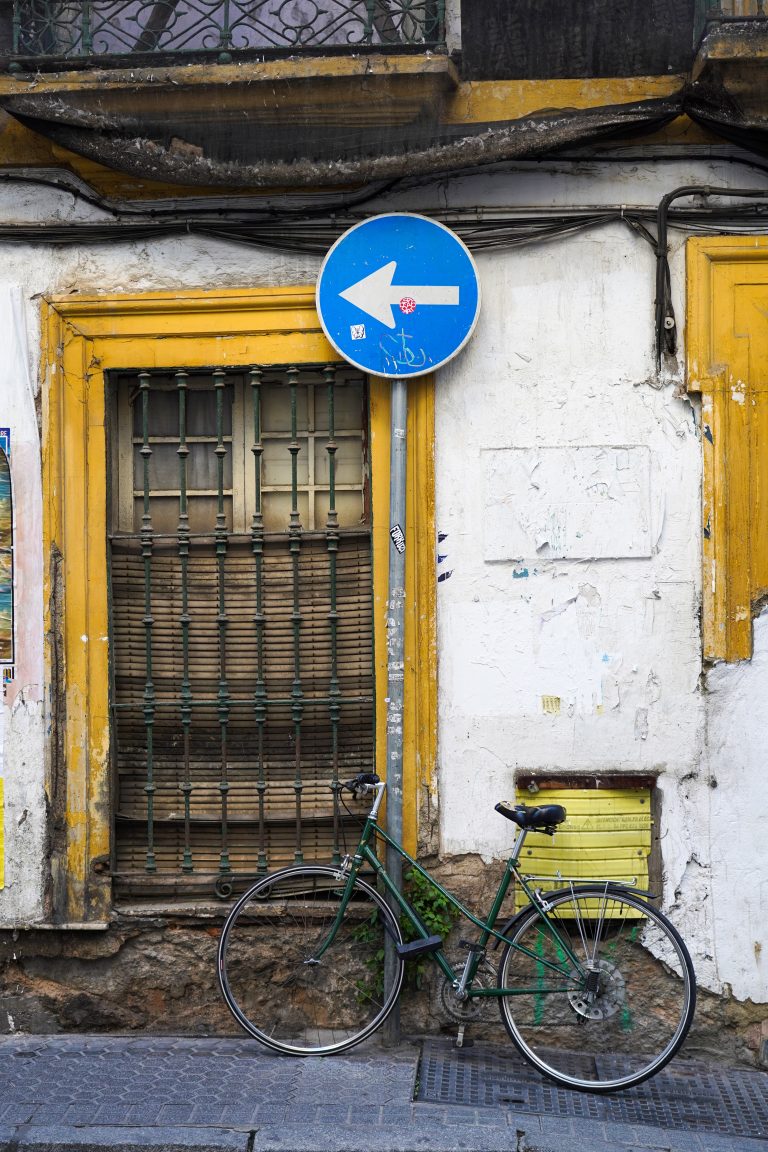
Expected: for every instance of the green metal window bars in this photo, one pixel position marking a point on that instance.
(81, 30)
(242, 626)
(709, 12)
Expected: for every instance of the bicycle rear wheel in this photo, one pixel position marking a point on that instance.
(280, 984)
(605, 1000)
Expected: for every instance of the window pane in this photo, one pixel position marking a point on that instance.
(277, 463)
(164, 408)
(349, 509)
(201, 410)
(349, 463)
(164, 472)
(277, 510)
(276, 407)
(347, 408)
(164, 511)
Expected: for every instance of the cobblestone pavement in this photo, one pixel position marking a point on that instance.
(165, 1094)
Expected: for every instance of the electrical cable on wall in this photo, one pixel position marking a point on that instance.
(302, 230)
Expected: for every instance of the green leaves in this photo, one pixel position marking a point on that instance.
(435, 912)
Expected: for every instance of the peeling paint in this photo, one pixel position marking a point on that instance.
(641, 724)
(582, 502)
(738, 720)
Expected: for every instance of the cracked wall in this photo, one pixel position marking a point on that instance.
(737, 721)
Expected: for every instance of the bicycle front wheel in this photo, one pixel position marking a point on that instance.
(296, 975)
(602, 992)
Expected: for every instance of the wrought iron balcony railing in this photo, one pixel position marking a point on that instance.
(724, 11)
(736, 9)
(90, 30)
(709, 13)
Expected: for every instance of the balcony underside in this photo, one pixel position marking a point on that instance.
(310, 122)
(313, 122)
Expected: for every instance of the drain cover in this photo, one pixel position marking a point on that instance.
(688, 1094)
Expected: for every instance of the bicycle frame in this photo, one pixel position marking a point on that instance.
(350, 869)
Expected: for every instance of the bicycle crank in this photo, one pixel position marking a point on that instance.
(471, 1008)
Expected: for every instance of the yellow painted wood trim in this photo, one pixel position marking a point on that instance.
(85, 336)
(714, 267)
(99, 307)
(420, 713)
(486, 101)
(396, 79)
(420, 707)
(699, 377)
(74, 533)
(320, 69)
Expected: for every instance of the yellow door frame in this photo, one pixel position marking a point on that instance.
(735, 541)
(83, 338)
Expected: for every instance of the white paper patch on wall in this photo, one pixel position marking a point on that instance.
(575, 503)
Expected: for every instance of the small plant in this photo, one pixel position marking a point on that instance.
(437, 915)
(372, 987)
(432, 907)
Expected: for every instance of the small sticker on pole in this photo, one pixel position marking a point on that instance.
(398, 538)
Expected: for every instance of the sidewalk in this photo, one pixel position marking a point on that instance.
(125, 1094)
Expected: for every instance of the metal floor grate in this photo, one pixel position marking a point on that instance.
(688, 1094)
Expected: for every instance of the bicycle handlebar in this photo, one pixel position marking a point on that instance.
(361, 784)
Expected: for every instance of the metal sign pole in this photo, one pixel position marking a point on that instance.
(397, 269)
(395, 667)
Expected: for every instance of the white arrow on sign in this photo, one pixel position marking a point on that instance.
(375, 294)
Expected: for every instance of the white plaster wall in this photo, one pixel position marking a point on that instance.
(562, 360)
(21, 706)
(737, 726)
(453, 25)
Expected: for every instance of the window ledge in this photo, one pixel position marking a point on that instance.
(46, 926)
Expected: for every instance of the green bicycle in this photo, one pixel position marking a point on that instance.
(595, 986)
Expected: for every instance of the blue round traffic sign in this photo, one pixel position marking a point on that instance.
(398, 295)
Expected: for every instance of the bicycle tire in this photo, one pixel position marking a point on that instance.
(284, 1001)
(636, 1013)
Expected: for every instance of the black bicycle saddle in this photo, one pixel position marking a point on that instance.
(545, 816)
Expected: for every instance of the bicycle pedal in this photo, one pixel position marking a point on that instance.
(472, 947)
(460, 1042)
(419, 947)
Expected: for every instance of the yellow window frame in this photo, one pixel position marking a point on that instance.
(85, 337)
(735, 535)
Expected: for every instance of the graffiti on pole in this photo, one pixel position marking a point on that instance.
(6, 562)
(6, 603)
